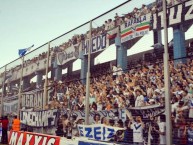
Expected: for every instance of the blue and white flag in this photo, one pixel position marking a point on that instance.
(22, 52)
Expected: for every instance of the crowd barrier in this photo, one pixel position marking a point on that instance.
(29, 138)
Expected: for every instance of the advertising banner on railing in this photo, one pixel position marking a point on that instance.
(98, 131)
(98, 43)
(42, 118)
(29, 138)
(178, 14)
(135, 27)
(71, 53)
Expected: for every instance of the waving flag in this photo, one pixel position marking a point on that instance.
(22, 52)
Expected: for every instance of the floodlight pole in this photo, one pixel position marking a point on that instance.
(88, 79)
(167, 79)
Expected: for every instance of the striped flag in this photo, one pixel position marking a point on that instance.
(137, 30)
(22, 52)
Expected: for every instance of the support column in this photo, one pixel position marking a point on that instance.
(92, 62)
(58, 73)
(26, 82)
(69, 69)
(157, 37)
(121, 54)
(84, 65)
(39, 79)
(179, 45)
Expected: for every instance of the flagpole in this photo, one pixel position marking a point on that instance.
(167, 79)
(3, 91)
(20, 87)
(88, 79)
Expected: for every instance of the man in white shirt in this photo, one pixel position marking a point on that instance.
(139, 98)
(138, 127)
(162, 130)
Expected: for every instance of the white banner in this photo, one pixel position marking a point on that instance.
(10, 107)
(71, 53)
(39, 118)
(135, 28)
(98, 131)
(120, 114)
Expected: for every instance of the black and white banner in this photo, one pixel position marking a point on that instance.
(112, 114)
(43, 118)
(147, 111)
(34, 98)
(10, 107)
(178, 14)
(71, 53)
(98, 43)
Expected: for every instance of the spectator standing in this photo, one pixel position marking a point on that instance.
(162, 130)
(16, 124)
(138, 127)
(5, 123)
(139, 98)
(189, 133)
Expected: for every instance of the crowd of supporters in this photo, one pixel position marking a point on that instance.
(138, 87)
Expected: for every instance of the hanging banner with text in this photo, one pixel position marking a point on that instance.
(71, 53)
(10, 107)
(29, 138)
(135, 27)
(99, 132)
(178, 14)
(34, 98)
(147, 111)
(43, 118)
(98, 43)
(120, 114)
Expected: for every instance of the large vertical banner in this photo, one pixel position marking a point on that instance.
(135, 27)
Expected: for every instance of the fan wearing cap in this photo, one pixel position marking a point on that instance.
(139, 98)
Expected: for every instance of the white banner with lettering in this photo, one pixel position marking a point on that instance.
(70, 53)
(135, 28)
(10, 107)
(99, 132)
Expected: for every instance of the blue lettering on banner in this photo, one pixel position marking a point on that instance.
(81, 131)
(97, 133)
(88, 132)
(111, 132)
